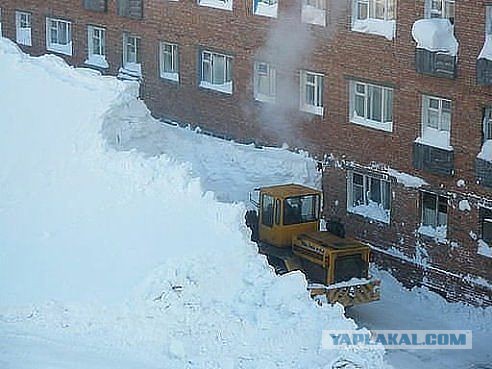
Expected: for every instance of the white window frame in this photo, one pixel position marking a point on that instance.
(371, 12)
(431, 10)
(61, 48)
(271, 76)
(317, 107)
(208, 61)
(133, 65)
(439, 136)
(488, 20)
(217, 4)
(173, 54)
(23, 32)
(384, 124)
(367, 182)
(96, 56)
(314, 12)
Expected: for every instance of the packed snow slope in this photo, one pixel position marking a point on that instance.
(117, 259)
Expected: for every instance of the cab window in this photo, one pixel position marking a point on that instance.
(301, 209)
(267, 210)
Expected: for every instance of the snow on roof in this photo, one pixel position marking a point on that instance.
(435, 35)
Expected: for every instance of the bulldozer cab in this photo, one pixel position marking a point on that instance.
(286, 211)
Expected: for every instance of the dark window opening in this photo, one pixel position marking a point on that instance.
(267, 203)
(350, 266)
(486, 222)
(301, 209)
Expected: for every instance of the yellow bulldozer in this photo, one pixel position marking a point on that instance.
(286, 226)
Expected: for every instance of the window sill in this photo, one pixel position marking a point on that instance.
(97, 61)
(371, 212)
(216, 4)
(316, 110)
(385, 28)
(172, 77)
(225, 88)
(433, 142)
(437, 234)
(60, 49)
(265, 98)
(265, 10)
(387, 127)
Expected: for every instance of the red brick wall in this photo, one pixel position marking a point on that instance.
(339, 57)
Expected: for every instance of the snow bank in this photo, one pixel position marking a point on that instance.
(435, 34)
(142, 263)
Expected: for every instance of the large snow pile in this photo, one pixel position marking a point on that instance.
(435, 34)
(123, 255)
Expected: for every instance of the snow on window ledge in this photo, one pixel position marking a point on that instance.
(372, 211)
(437, 233)
(486, 152)
(65, 49)
(435, 35)
(98, 61)
(484, 249)
(316, 110)
(224, 88)
(266, 10)
(23, 36)
(387, 127)
(171, 76)
(435, 138)
(380, 27)
(313, 15)
(486, 52)
(265, 98)
(217, 4)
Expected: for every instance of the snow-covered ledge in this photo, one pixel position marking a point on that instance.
(486, 52)
(313, 15)
(484, 249)
(265, 9)
(380, 27)
(435, 138)
(372, 211)
(97, 61)
(486, 152)
(225, 88)
(217, 4)
(438, 233)
(435, 35)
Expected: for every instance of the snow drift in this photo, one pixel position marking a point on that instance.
(126, 254)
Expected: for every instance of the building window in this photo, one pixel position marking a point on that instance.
(371, 105)
(0, 22)
(267, 207)
(96, 5)
(96, 47)
(314, 12)
(265, 80)
(59, 36)
(311, 97)
(375, 17)
(434, 216)
(487, 124)
(368, 196)
(441, 9)
(131, 54)
(169, 61)
(267, 8)
(23, 28)
(216, 72)
(486, 224)
(130, 8)
(436, 122)
(217, 4)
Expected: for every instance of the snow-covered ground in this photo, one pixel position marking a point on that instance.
(123, 259)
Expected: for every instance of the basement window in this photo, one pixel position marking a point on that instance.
(217, 4)
(265, 82)
(371, 105)
(314, 12)
(23, 28)
(59, 36)
(368, 196)
(96, 47)
(311, 94)
(376, 17)
(216, 72)
(169, 66)
(434, 216)
(267, 8)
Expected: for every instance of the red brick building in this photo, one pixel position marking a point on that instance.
(393, 97)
